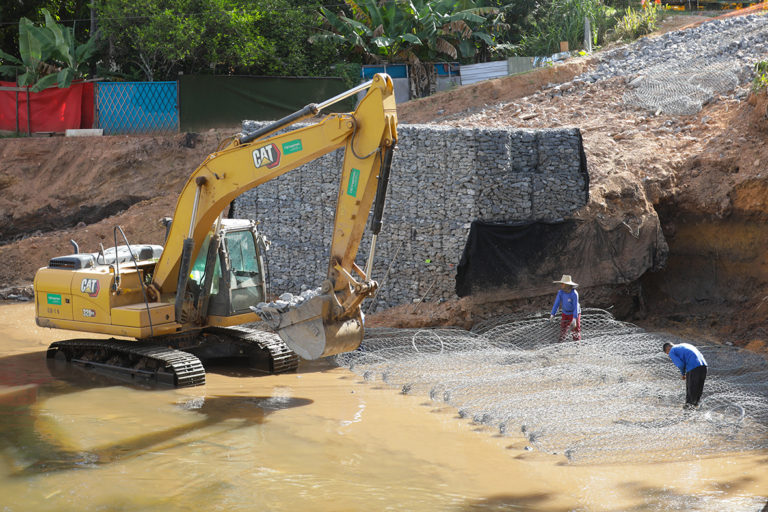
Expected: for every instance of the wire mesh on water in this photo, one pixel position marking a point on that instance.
(613, 396)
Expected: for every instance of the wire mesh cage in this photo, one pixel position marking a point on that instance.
(613, 396)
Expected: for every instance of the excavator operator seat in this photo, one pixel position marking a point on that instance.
(239, 273)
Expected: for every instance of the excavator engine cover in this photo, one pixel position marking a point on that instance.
(310, 331)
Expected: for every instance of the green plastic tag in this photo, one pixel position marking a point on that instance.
(354, 178)
(292, 146)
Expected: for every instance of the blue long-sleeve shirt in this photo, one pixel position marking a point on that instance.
(569, 301)
(686, 357)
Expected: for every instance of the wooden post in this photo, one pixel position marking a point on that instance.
(563, 46)
(587, 36)
(17, 102)
(29, 115)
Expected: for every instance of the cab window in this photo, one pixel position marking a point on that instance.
(197, 273)
(242, 252)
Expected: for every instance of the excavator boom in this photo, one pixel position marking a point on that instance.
(195, 293)
(331, 323)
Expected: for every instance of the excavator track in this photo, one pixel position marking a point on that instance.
(139, 360)
(268, 352)
(176, 360)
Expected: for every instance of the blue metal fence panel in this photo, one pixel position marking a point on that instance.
(137, 107)
(393, 70)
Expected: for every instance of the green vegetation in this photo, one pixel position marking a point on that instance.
(760, 81)
(49, 55)
(563, 20)
(417, 30)
(636, 23)
(159, 39)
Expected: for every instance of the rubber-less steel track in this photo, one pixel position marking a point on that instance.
(176, 360)
(279, 357)
(140, 360)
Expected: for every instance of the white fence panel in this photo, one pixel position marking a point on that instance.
(485, 71)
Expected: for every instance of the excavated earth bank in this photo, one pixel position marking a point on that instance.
(702, 178)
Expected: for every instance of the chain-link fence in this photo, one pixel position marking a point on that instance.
(137, 107)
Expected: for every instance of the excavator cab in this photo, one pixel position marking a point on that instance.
(228, 279)
(229, 274)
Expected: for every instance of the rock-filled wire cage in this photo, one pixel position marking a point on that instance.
(613, 396)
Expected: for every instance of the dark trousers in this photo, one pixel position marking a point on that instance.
(694, 384)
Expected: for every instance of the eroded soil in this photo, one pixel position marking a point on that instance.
(703, 175)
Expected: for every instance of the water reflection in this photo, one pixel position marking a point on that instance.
(61, 433)
(53, 415)
(22, 369)
(321, 439)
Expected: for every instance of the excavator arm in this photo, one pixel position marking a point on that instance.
(330, 323)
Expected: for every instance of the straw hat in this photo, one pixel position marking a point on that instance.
(566, 279)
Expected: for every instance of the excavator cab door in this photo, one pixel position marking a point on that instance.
(238, 267)
(246, 280)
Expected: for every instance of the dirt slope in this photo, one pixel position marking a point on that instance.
(703, 175)
(56, 189)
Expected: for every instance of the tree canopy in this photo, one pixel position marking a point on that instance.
(159, 39)
(408, 30)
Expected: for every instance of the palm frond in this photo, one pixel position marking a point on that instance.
(443, 46)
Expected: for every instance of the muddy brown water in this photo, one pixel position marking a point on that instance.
(319, 439)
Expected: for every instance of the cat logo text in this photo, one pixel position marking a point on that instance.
(90, 286)
(266, 156)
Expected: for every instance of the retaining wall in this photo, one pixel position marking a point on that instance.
(442, 179)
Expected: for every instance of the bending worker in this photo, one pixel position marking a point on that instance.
(692, 366)
(567, 299)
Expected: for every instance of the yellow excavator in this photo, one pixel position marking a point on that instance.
(192, 299)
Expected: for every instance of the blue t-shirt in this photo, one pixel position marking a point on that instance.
(686, 357)
(569, 302)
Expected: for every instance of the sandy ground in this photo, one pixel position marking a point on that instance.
(319, 439)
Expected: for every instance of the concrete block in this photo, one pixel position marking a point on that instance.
(84, 132)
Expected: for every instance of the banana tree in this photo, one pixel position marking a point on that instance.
(449, 28)
(408, 30)
(67, 54)
(49, 55)
(377, 31)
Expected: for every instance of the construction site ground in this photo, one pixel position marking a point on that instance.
(705, 170)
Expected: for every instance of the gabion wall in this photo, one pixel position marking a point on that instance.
(442, 179)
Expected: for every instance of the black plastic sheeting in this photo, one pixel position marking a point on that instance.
(225, 101)
(502, 255)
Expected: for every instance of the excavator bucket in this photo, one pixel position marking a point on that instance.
(310, 330)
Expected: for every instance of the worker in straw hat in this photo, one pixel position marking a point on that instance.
(568, 301)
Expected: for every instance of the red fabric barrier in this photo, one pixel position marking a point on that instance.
(51, 110)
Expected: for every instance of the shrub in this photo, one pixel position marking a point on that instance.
(563, 20)
(761, 76)
(636, 23)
